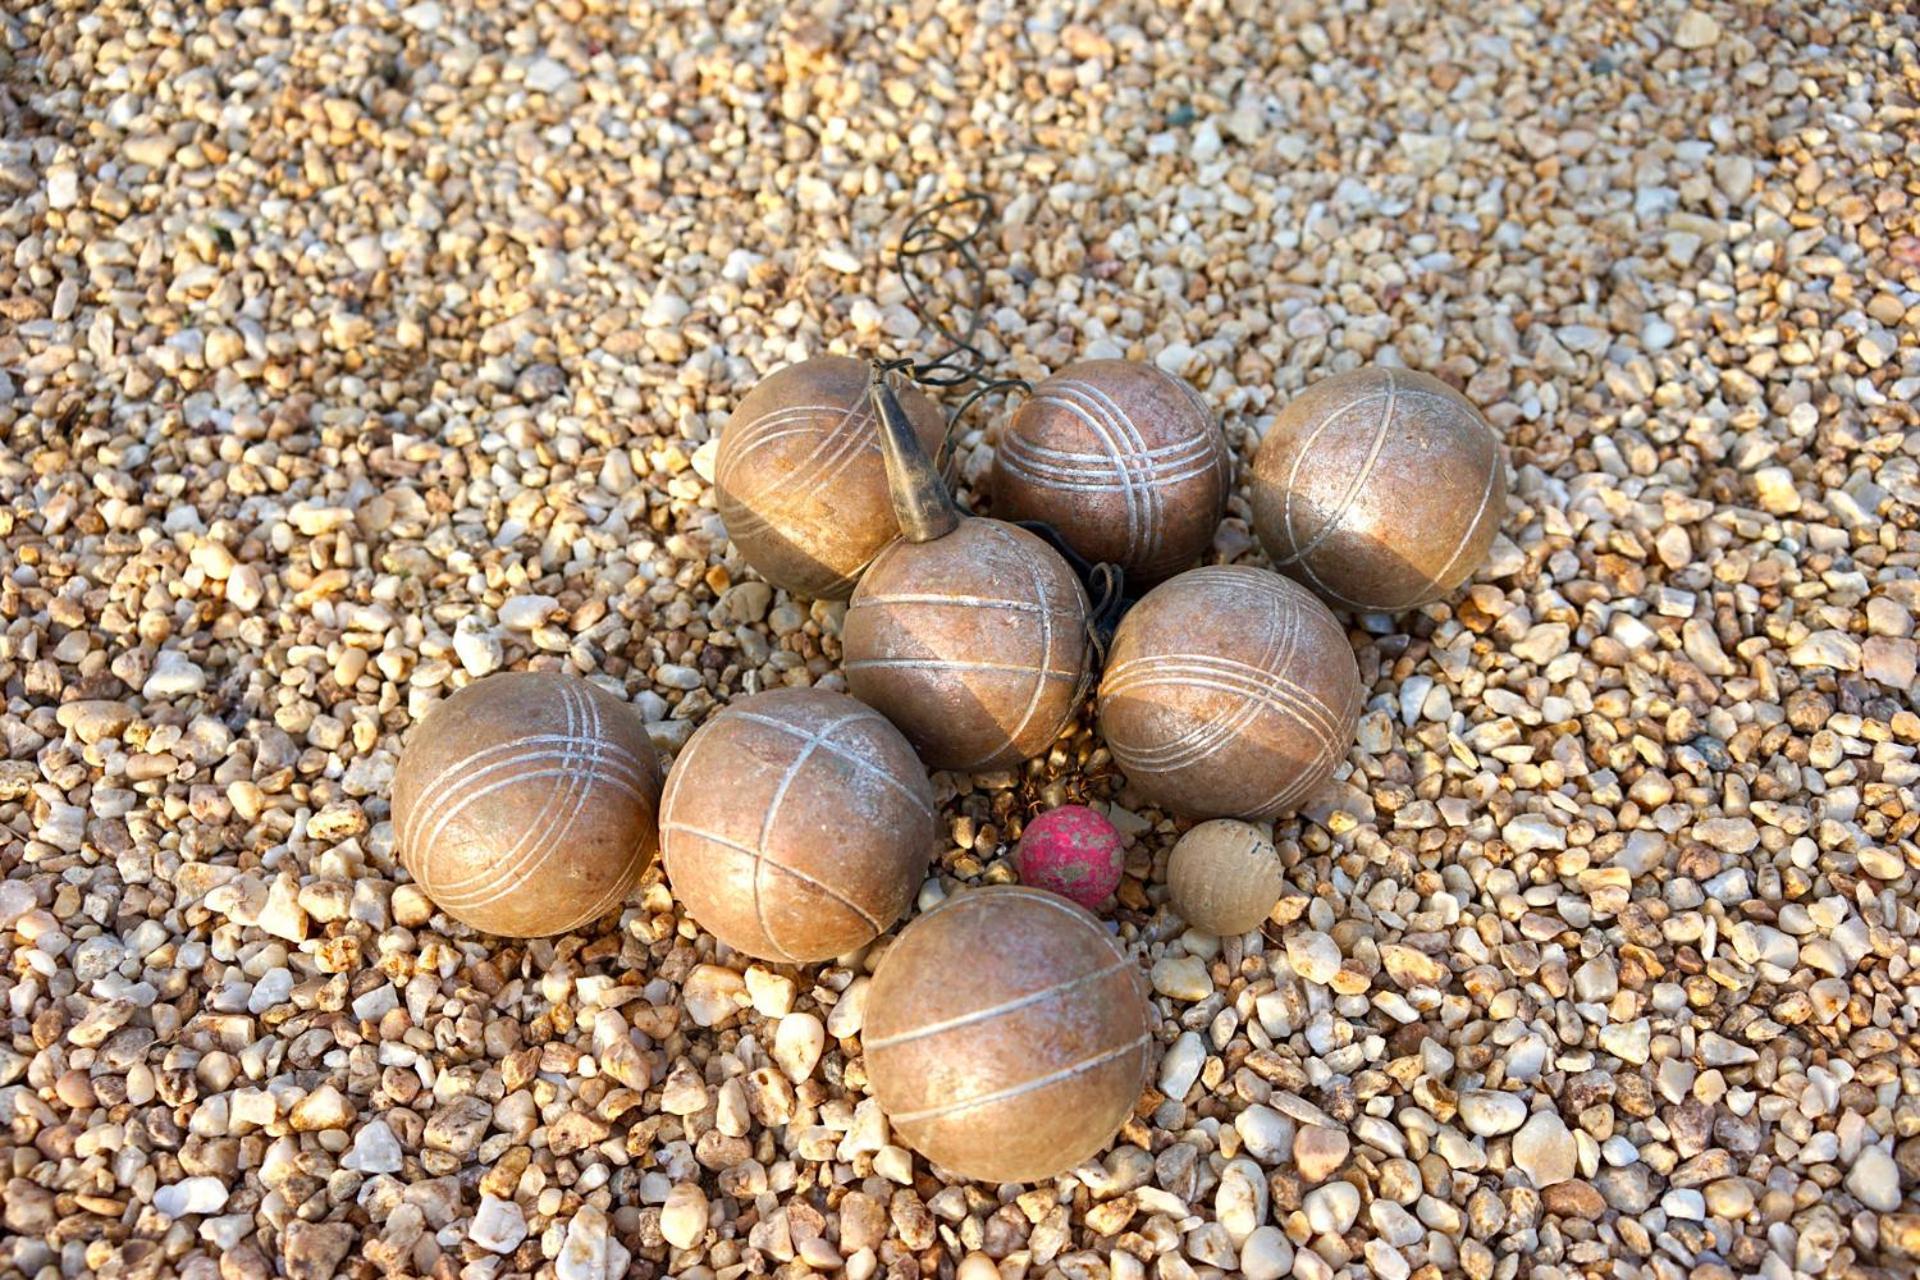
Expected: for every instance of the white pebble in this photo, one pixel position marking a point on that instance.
(1181, 978)
(712, 994)
(797, 1045)
(590, 1251)
(1313, 955)
(15, 901)
(1874, 1179)
(546, 75)
(1488, 1113)
(173, 674)
(1266, 1255)
(1180, 1067)
(191, 1196)
(498, 1225)
(524, 613)
(478, 649)
(1268, 1135)
(375, 1149)
(1544, 1149)
(1332, 1208)
(1240, 1203)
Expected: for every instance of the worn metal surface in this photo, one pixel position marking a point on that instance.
(1382, 489)
(526, 803)
(1007, 1036)
(1125, 461)
(797, 825)
(976, 644)
(800, 480)
(1229, 692)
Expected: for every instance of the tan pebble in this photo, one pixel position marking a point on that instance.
(683, 1219)
(411, 906)
(977, 1266)
(1319, 1151)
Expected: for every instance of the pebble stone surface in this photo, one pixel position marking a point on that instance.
(353, 352)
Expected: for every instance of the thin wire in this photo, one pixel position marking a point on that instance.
(1106, 585)
(931, 235)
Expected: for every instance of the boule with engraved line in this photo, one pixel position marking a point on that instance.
(526, 804)
(1007, 1036)
(1125, 461)
(970, 634)
(1381, 489)
(800, 480)
(1230, 692)
(1225, 877)
(797, 825)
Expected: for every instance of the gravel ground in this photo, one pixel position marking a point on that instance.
(353, 351)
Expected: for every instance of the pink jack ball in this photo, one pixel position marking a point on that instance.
(1072, 851)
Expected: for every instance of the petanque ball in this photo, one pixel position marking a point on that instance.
(525, 804)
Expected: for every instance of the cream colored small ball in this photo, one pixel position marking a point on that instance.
(1225, 877)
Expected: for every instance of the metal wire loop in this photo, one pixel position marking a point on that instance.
(930, 234)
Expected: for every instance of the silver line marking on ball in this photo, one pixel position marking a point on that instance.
(727, 842)
(1061, 1076)
(993, 1011)
(844, 752)
(949, 664)
(1202, 740)
(1466, 534)
(513, 876)
(1046, 640)
(447, 803)
(1138, 517)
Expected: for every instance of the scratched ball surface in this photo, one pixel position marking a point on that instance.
(1072, 851)
(526, 803)
(1229, 692)
(1007, 1036)
(1125, 461)
(797, 825)
(799, 478)
(1381, 489)
(1224, 877)
(975, 644)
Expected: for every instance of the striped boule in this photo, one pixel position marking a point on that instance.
(1030, 1064)
(1225, 877)
(975, 645)
(1381, 489)
(1125, 461)
(797, 825)
(526, 803)
(969, 634)
(1229, 692)
(799, 477)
